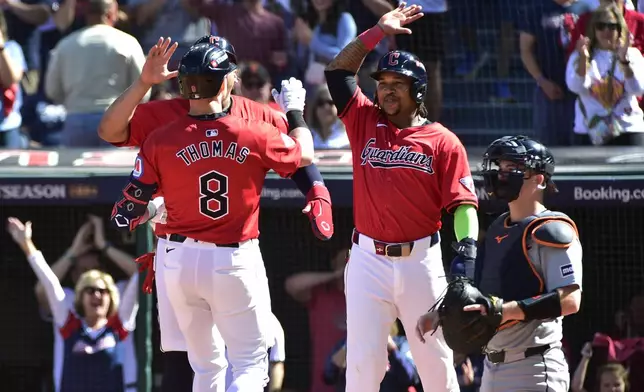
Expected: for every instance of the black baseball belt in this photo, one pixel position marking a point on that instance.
(402, 249)
(183, 238)
(504, 356)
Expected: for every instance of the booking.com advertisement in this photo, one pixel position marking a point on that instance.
(283, 193)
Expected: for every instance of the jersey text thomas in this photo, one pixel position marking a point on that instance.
(211, 173)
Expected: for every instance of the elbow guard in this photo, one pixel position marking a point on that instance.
(542, 307)
(128, 212)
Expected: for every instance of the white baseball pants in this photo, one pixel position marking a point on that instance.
(219, 293)
(380, 289)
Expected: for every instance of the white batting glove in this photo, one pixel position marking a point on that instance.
(161, 215)
(292, 95)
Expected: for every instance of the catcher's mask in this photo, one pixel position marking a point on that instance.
(202, 71)
(527, 154)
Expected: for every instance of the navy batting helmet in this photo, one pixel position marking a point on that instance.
(219, 42)
(528, 154)
(202, 71)
(407, 64)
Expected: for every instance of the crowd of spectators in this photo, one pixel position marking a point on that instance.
(63, 63)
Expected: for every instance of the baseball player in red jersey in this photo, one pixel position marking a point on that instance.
(128, 123)
(405, 171)
(210, 167)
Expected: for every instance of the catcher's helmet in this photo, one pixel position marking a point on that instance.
(202, 71)
(219, 42)
(528, 153)
(407, 64)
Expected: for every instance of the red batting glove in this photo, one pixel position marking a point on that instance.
(318, 209)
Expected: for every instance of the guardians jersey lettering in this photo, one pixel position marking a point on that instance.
(403, 178)
(402, 158)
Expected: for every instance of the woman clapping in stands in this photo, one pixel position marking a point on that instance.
(93, 327)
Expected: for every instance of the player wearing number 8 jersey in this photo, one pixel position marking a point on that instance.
(210, 167)
(406, 170)
(128, 123)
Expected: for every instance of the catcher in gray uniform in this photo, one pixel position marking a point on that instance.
(528, 277)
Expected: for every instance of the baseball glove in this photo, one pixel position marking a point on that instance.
(467, 332)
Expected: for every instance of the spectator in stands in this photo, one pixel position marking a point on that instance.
(634, 21)
(89, 69)
(23, 17)
(612, 377)
(428, 43)
(167, 18)
(401, 374)
(84, 255)
(328, 131)
(323, 294)
(326, 30)
(257, 34)
(608, 75)
(629, 323)
(543, 56)
(12, 68)
(475, 59)
(92, 324)
(255, 83)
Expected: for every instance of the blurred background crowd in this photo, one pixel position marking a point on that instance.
(495, 67)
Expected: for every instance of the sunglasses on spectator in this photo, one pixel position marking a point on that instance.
(94, 290)
(603, 26)
(324, 102)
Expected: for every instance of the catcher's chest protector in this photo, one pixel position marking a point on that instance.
(506, 270)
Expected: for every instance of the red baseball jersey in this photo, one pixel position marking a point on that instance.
(403, 178)
(211, 173)
(153, 115)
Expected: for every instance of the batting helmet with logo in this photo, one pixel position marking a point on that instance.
(202, 71)
(219, 42)
(407, 64)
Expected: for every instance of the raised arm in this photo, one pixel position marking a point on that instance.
(341, 71)
(21, 234)
(114, 126)
(130, 303)
(80, 246)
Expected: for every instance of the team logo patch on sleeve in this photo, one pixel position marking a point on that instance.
(566, 270)
(468, 183)
(138, 167)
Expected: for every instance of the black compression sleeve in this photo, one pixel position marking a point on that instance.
(342, 86)
(295, 119)
(541, 307)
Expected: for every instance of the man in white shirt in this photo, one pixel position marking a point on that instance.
(89, 69)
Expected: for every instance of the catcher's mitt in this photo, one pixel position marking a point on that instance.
(467, 332)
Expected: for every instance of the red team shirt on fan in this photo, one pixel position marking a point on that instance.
(211, 173)
(153, 115)
(403, 178)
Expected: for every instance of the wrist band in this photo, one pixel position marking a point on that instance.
(295, 119)
(372, 37)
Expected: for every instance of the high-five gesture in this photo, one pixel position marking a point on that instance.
(393, 21)
(155, 70)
